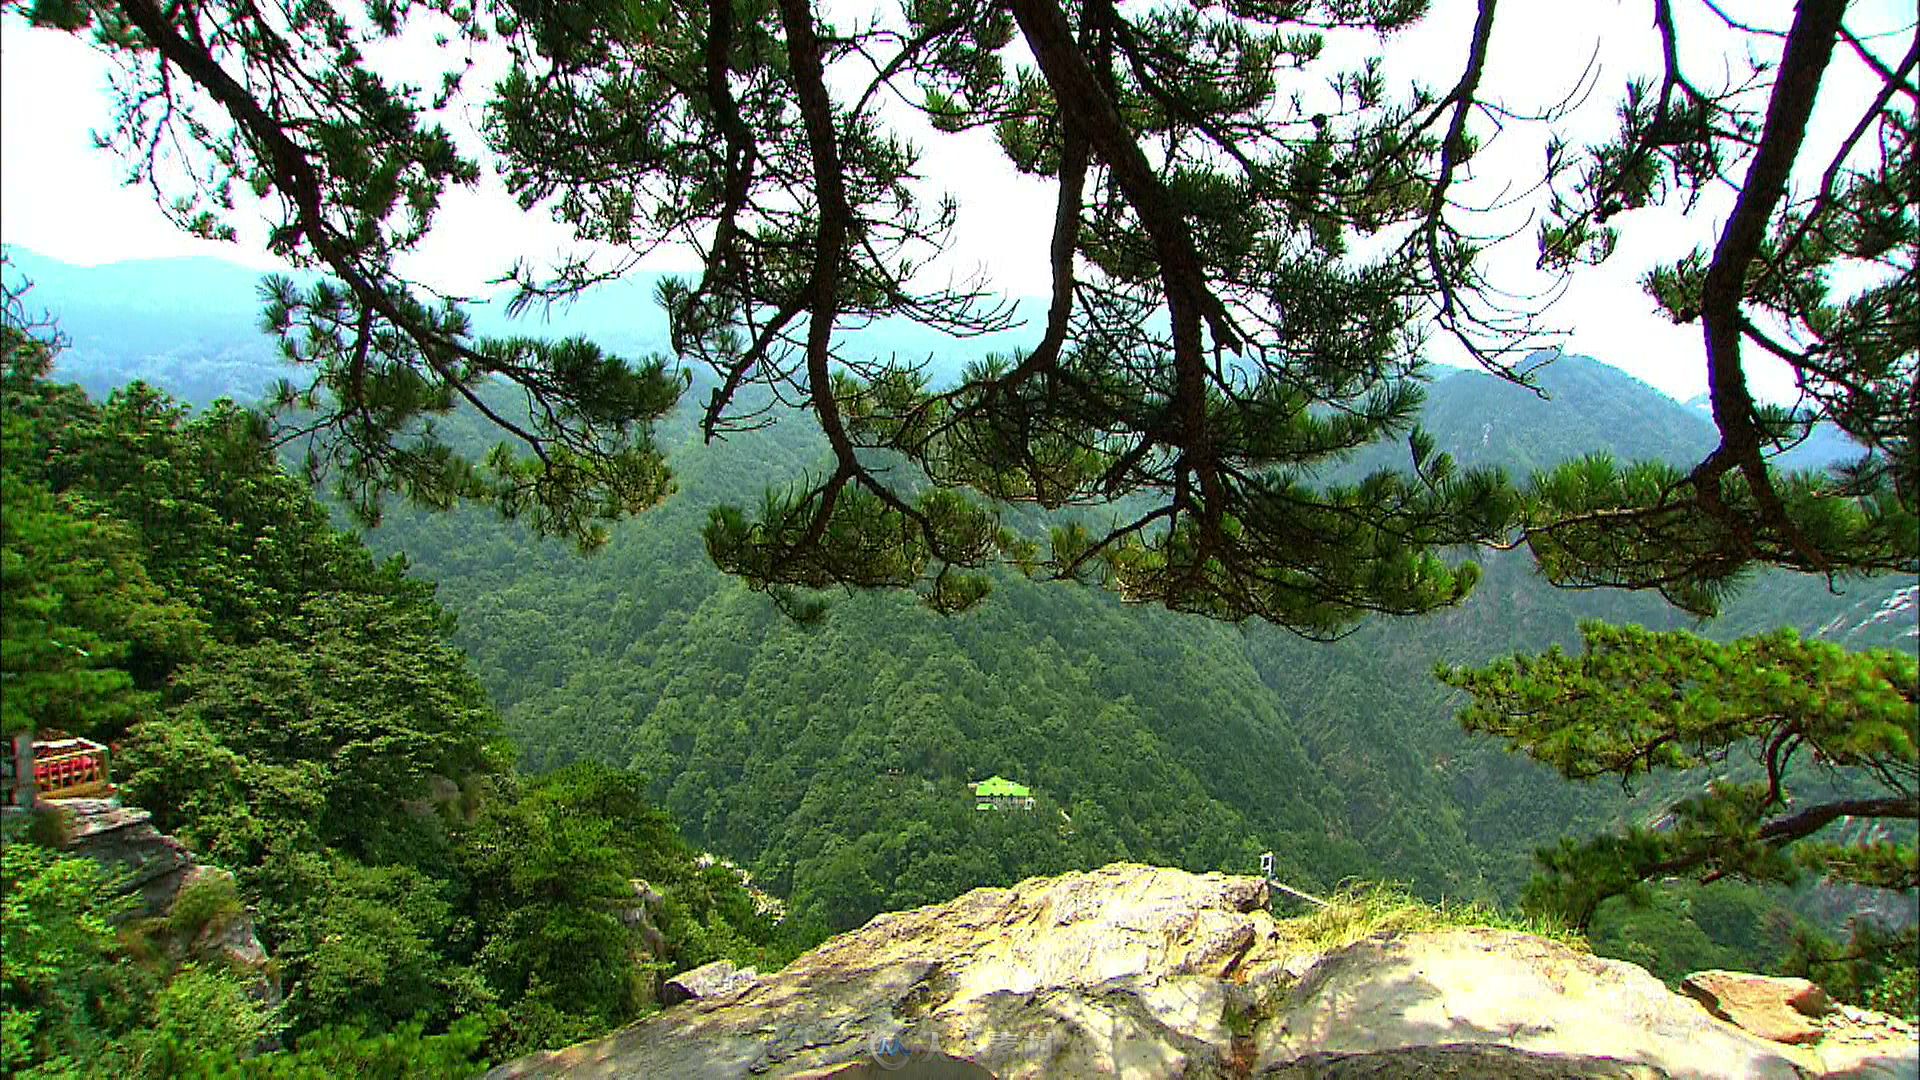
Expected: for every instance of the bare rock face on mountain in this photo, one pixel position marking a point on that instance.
(158, 869)
(1389, 995)
(1144, 972)
(716, 980)
(123, 840)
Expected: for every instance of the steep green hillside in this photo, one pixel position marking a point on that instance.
(1581, 407)
(835, 758)
(291, 708)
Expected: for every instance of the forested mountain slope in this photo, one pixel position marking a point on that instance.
(291, 708)
(835, 758)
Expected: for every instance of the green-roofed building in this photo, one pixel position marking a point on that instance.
(1000, 793)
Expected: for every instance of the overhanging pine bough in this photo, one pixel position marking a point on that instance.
(1212, 341)
(1800, 734)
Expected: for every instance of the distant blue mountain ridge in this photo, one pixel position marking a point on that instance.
(192, 327)
(145, 312)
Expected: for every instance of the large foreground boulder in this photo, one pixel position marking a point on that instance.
(1784, 1010)
(1138, 971)
(1392, 995)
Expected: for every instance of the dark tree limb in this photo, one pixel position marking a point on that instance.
(302, 184)
(1809, 48)
(1086, 105)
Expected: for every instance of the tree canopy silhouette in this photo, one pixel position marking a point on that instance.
(1252, 240)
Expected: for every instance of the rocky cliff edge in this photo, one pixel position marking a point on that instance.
(1139, 971)
(156, 870)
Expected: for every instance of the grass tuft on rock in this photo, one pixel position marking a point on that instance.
(208, 904)
(1360, 911)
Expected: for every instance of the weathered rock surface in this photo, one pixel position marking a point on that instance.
(705, 983)
(1498, 987)
(764, 903)
(123, 839)
(1784, 1010)
(1866, 1044)
(1137, 971)
(157, 868)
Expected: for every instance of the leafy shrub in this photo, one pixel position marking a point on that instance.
(209, 902)
(200, 1016)
(402, 1054)
(1897, 992)
(62, 990)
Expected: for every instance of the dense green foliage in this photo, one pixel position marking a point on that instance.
(1805, 739)
(77, 604)
(1255, 236)
(833, 759)
(292, 708)
(73, 1004)
(1682, 929)
(80, 616)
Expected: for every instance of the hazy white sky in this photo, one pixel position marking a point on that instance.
(61, 197)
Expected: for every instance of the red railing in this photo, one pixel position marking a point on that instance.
(70, 769)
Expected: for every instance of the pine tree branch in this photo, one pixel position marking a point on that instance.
(1783, 831)
(1087, 106)
(298, 178)
(1809, 48)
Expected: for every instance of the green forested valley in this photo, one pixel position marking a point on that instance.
(834, 759)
